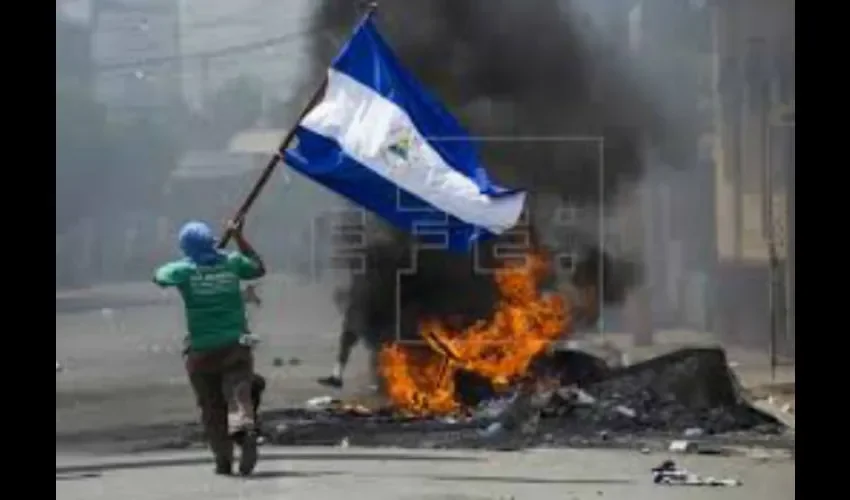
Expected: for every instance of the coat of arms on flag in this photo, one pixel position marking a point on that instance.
(401, 150)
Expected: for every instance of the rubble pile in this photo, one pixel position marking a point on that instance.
(669, 395)
(689, 388)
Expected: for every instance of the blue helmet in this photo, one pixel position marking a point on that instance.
(198, 243)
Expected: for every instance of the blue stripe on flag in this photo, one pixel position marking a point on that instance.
(379, 139)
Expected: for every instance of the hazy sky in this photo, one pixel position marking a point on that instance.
(76, 10)
(210, 25)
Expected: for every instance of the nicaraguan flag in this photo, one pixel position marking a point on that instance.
(378, 139)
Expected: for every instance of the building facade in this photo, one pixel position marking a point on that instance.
(717, 196)
(754, 54)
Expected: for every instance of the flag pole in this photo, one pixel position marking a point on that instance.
(261, 182)
(252, 196)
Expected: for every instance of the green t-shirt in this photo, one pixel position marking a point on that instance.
(215, 311)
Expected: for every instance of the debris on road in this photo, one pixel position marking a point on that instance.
(321, 402)
(777, 400)
(764, 454)
(279, 362)
(584, 398)
(668, 473)
(492, 430)
(788, 419)
(625, 411)
(493, 408)
(693, 432)
(682, 446)
(713, 450)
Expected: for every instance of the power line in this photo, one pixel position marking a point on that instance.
(187, 29)
(225, 18)
(226, 51)
(238, 19)
(191, 75)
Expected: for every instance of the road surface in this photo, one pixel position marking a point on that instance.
(120, 351)
(331, 473)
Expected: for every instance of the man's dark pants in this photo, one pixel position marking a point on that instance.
(222, 380)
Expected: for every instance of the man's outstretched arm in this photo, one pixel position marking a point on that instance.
(256, 268)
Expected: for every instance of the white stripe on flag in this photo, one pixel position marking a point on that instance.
(368, 127)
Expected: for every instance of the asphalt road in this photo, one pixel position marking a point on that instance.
(120, 352)
(318, 474)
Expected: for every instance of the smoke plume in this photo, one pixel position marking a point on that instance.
(520, 69)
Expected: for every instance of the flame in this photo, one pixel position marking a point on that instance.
(419, 378)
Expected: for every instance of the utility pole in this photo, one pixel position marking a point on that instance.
(790, 231)
(758, 80)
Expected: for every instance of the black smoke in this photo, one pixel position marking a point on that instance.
(519, 68)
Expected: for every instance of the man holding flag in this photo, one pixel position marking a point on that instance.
(219, 360)
(380, 140)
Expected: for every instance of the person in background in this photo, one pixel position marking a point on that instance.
(352, 333)
(348, 338)
(219, 360)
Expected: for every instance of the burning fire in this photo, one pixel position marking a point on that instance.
(419, 379)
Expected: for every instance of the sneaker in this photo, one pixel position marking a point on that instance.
(331, 381)
(248, 457)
